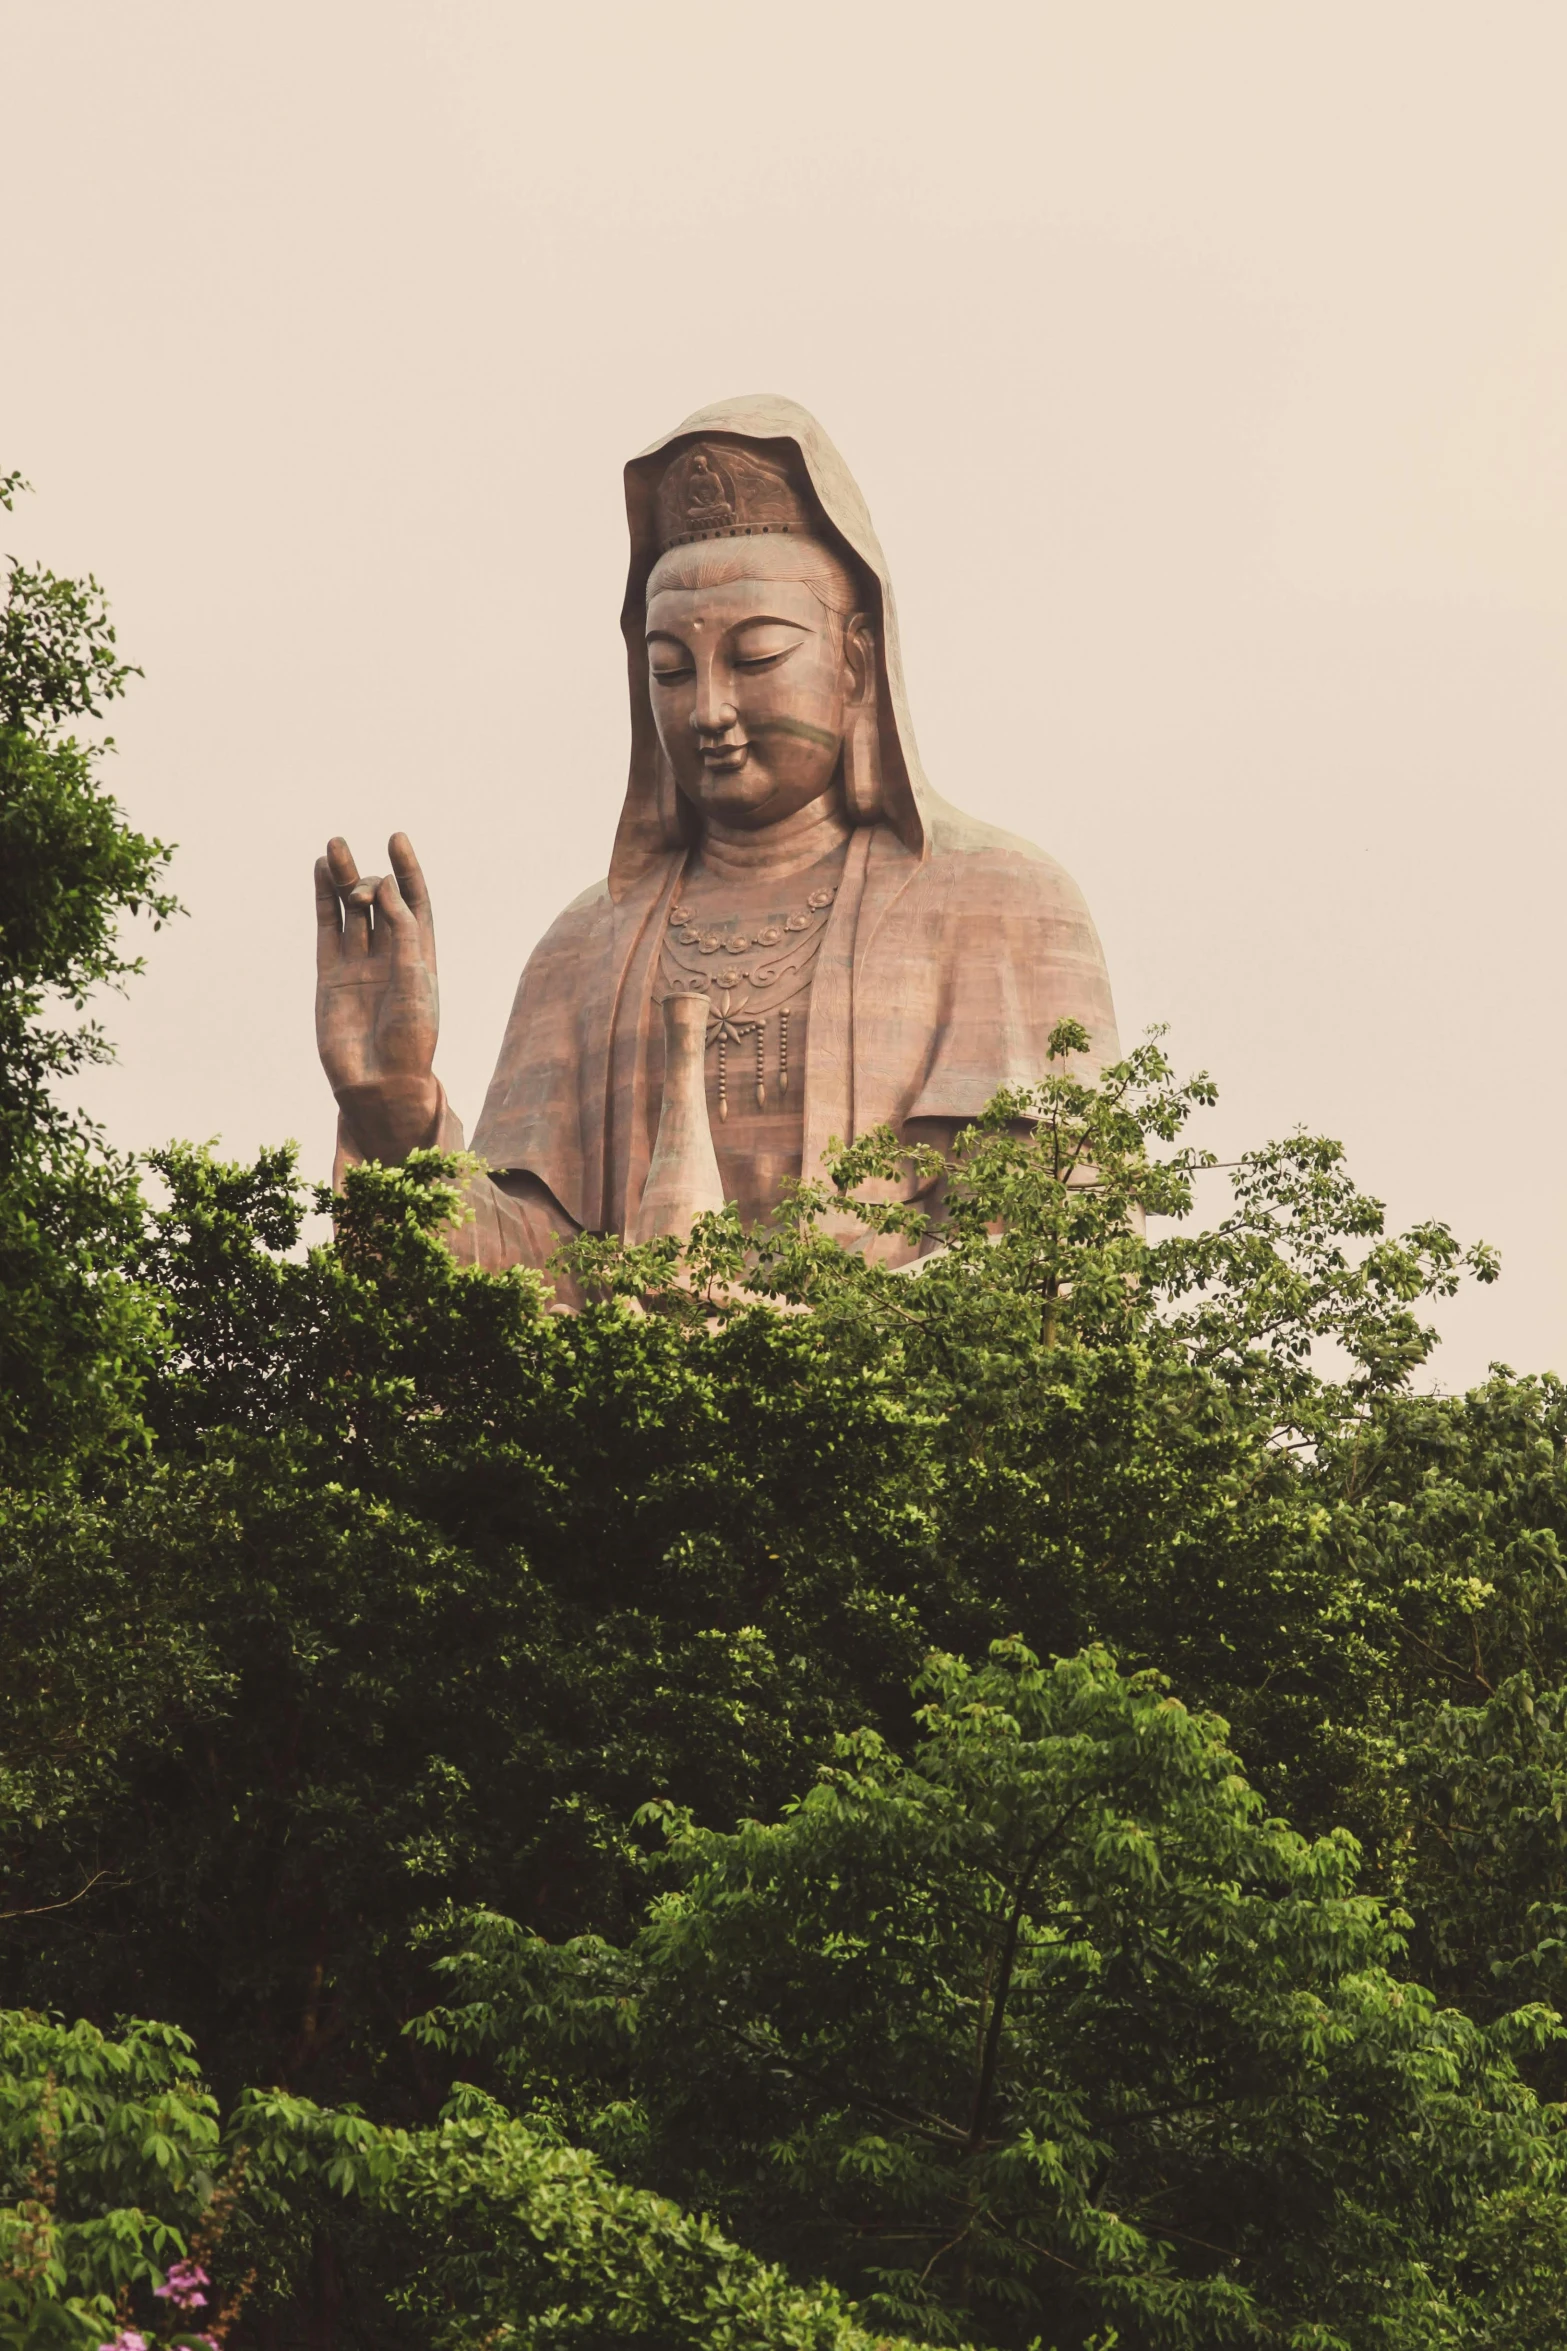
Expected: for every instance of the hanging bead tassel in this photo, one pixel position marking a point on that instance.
(783, 1052)
(761, 1083)
(723, 1075)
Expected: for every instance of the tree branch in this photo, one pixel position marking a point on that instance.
(41, 1909)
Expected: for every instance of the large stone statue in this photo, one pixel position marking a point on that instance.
(797, 938)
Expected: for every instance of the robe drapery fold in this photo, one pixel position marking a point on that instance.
(951, 952)
(938, 982)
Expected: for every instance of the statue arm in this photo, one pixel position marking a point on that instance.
(377, 1021)
(1018, 952)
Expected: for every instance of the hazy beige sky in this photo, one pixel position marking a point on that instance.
(1203, 366)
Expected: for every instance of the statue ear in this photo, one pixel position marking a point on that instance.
(672, 820)
(862, 792)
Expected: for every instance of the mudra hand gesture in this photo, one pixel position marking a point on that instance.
(378, 1010)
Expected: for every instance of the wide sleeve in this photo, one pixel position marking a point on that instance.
(1016, 951)
(506, 1219)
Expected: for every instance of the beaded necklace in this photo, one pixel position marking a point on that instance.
(743, 997)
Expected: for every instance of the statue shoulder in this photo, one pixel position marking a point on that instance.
(575, 942)
(577, 921)
(978, 864)
(596, 896)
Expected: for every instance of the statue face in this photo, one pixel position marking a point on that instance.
(751, 682)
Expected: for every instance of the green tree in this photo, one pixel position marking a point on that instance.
(74, 1333)
(1043, 2029)
(1448, 1516)
(1134, 1440)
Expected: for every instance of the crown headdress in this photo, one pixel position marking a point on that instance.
(715, 492)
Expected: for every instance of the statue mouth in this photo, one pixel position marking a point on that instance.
(725, 758)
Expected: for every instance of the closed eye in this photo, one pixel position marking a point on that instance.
(762, 643)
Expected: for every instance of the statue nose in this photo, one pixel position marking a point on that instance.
(715, 722)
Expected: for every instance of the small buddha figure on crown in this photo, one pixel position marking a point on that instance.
(797, 940)
(707, 503)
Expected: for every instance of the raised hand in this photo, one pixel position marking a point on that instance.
(378, 1010)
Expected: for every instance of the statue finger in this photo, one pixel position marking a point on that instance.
(358, 905)
(410, 882)
(329, 917)
(392, 911)
(341, 860)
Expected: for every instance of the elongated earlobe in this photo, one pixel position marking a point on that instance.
(671, 809)
(862, 793)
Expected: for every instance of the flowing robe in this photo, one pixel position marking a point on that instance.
(938, 982)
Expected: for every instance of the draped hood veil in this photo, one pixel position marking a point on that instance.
(790, 434)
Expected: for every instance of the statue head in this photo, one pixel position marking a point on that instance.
(761, 654)
(761, 640)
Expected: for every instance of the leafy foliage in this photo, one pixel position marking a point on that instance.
(1041, 2030)
(499, 2233)
(72, 1331)
(444, 1586)
(114, 2171)
(425, 1589)
(109, 2150)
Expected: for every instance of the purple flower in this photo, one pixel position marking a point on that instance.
(182, 2286)
(126, 2340)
